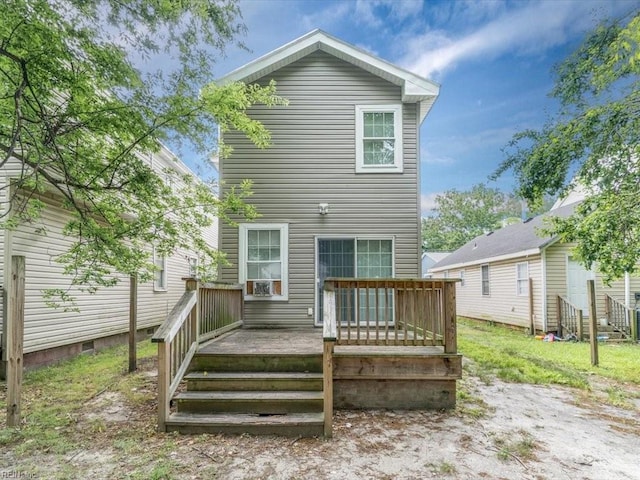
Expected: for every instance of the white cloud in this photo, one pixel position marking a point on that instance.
(427, 202)
(531, 29)
(429, 158)
(376, 13)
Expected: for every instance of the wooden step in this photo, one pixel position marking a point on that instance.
(264, 381)
(291, 425)
(259, 362)
(258, 402)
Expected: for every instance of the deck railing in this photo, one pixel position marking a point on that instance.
(203, 312)
(569, 318)
(619, 315)
(221, 309)
(393, 312)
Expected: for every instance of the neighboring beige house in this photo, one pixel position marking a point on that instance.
(494, 271)
(103, 317)
(338, 189)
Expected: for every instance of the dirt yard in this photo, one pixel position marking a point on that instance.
(499, 431)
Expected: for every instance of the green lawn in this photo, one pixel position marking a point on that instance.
(516, 357)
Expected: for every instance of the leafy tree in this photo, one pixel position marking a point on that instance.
(460, 216)
(593, 142)
(77, 117)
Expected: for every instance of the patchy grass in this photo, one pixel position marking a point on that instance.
(52, 397)
(519, 445)
(515, 357)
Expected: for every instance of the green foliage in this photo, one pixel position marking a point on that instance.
(461, 216)
(593, 142)
(78, 120)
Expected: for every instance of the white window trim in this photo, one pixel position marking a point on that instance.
(397, 117)
(488, 294)
(525, 292)
(284, 256)
(157, 288)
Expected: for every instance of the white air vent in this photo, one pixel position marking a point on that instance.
(263, 289)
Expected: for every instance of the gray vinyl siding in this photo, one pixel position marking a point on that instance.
(502, 305)
(312, 160)
(556, 263)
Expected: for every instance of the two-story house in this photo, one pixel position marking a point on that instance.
(338, 190)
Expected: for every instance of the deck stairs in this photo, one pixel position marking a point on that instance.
(265, 393)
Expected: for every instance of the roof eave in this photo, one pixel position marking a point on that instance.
(497, 258)
(415, 89)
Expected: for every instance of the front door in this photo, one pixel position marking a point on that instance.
(352, 258)
(577, 277)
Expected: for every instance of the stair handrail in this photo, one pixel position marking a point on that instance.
(570, 317)
(178, 340)
(619, 315)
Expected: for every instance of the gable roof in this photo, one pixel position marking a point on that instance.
(512, 241)
(435, 256)
(415, 89)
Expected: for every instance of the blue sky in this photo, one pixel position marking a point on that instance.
(493, 60)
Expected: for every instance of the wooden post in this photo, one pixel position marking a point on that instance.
(327, 386)
(164, 383)
(194, 316)
(593, 322)
(449, 314)
(531, 315)
(559, 314)
(15, 339)
(580, 325)
(633, 324)
(133, 322)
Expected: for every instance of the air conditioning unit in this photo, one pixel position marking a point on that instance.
(263, 288)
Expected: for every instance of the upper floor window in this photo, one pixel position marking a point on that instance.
(462, 278)
(264, 260)
(378, 138)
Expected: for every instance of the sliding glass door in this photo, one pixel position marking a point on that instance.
(355, 258)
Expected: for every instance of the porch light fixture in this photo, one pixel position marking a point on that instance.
(323, 208)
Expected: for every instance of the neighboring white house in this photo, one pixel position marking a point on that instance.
(103, 317)
(429, 259)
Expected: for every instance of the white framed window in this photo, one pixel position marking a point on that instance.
(160, 272)
(263, 260)
(445, 274)
(522, 278)
(378, 138)
(462, 278)
(485, 280)
(193, 266)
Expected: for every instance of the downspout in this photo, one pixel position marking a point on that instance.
(627, 290)
(7, 252)
(543, 257)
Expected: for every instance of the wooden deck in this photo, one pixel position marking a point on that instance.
(216, 376)
(292, 341)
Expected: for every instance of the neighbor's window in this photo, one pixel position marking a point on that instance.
(160, 274)
(522, 278)
(379, 138)
(193, 267)
(485, 279)
(263, 260)
(462, 278)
